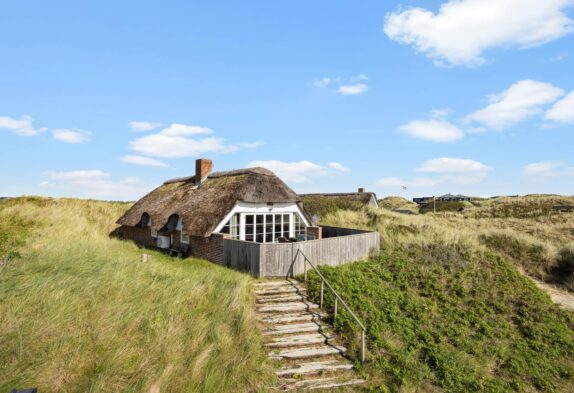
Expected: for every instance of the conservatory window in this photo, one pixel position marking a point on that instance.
(266, 228)
(299, 227)
(232, 227)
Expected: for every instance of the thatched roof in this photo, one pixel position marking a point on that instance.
(203, 208)
(363, 197)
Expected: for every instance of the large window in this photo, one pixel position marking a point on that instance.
(266, 228)
(299, 227)
(232, 227)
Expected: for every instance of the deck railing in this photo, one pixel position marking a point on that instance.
(337, 300)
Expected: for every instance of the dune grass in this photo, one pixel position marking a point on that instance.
(538, 241)
(443, 317)
(81, 312)
(446, 306)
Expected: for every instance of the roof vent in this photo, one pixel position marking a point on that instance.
(203, 169)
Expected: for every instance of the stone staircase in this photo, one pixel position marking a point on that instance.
(299, 340)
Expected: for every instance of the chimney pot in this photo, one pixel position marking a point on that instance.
(203, 168)
(361, 189)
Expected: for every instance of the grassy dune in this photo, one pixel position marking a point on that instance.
(80, 311)
(524, 230)
(446, 307)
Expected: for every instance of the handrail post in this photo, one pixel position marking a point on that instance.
(305, 267)
(335, 312)
(362, 346)
(322, 288)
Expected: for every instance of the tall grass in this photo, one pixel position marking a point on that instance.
(538, 244)
(81, 312)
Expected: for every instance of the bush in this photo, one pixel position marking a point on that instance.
(458, 320)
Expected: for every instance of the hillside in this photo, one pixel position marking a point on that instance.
(396, 202)
(446, 307)
(81, 312)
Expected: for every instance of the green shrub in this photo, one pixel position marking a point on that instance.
(458, 320)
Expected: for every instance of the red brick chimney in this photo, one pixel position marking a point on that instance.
(203, 168)
(361, 189)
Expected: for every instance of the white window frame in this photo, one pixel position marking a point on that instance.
(179, 227)
(244, 208)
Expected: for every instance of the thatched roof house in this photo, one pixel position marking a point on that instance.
(361, 196)
(248, 204)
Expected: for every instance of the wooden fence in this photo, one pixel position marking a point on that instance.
(283, 259)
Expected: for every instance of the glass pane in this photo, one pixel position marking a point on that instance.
(225, 229)
(249, 238)
(259, 238)
(268, 237)
(249, 230)
(235, 219)
(249, 219)
(259, 219)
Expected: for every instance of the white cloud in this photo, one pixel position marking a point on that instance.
(180, 140)
(77, 175)
(462, 30)
(548, 169)
(71, 136)
(145, 161)
(22, 126)
(457, 171)
(185, 130)
(353, 85)
(139, 126)
(436, 130)
(519, 102)
(452, 165)
(356, 89)
(563, 110)
(322, 83)
(338, 167)
(95, 184)
(294, 172)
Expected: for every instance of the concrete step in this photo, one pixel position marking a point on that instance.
(298, 341)
(279, 290)
(292, 329)
(281, 298)
(320, 383)
(287, 307)
(275, 284)
(308, 353)
(314, 368)
(291, 318)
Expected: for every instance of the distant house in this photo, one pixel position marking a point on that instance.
(362, 196)
(443, 198)
(247, 219)
(453, 198)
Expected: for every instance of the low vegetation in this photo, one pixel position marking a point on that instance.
(446, 304)
(396, 202)
(443, 317)
(81, 312)
(321, 206)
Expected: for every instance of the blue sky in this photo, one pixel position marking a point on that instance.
(109, 99)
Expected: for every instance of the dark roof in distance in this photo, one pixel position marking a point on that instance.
(202, 208)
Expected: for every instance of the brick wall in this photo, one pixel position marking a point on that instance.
(139, 235)
(210, 248)
(315, 231)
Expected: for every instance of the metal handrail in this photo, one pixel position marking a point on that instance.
(337, 299)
